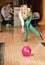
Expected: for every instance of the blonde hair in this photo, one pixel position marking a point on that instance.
(26, 12)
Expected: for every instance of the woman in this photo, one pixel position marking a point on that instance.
(25, 16)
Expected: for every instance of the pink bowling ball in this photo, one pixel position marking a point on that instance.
(26, 51)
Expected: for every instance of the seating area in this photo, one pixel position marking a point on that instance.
(10, 17)
(36, 18)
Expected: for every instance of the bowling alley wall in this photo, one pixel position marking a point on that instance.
(43, 16)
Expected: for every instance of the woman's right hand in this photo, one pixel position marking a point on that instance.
(22, 30)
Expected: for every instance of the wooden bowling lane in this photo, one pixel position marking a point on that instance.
(14, 43)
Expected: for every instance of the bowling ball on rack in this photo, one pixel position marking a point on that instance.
(8, 26)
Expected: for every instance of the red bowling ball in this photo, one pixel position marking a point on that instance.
(26, 51)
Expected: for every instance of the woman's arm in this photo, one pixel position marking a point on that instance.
(22, 21)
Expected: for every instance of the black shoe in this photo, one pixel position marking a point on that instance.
(25, 40)
(41, 37)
